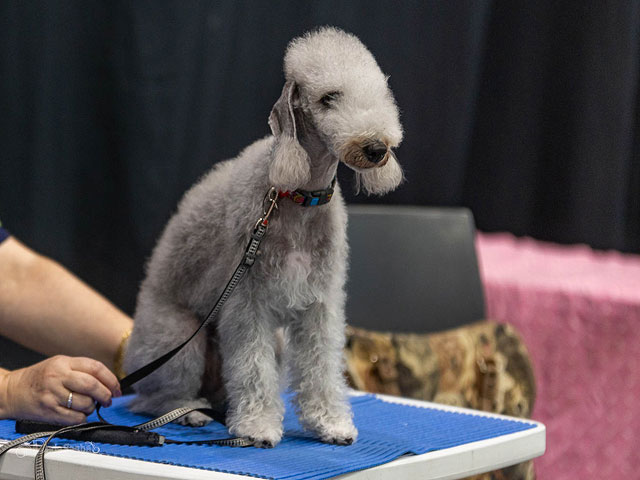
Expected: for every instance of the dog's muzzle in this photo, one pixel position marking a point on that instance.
(365, 153)
(375, 152)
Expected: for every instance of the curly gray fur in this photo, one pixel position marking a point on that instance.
(297, 284)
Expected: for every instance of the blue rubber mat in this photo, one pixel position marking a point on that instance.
(386, 431)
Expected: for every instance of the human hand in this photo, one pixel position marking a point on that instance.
(41, 391)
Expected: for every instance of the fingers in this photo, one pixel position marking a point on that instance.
(99, 371)
(41, 392)
(51, 411)
(67, 416)
(80, 403)
(84, 384)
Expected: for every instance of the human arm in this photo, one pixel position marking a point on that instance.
(46, 308)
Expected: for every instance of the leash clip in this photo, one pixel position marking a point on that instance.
(269, 204)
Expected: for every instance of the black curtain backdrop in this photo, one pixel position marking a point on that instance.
(526, 112)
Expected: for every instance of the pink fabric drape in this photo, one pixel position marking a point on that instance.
(578, 311)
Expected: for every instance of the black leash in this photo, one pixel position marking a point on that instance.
(139, 434)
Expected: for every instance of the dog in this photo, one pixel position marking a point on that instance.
(335, 106)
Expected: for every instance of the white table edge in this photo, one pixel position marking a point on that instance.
(464, 460)
(446, 464)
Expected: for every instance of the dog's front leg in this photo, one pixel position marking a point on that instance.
(316, 362)
(250, 371)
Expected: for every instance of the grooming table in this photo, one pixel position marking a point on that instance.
(399, 438)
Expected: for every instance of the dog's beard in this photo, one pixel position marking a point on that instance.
(370, 178)
(379, 180)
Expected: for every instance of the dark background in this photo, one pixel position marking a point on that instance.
(526, 112)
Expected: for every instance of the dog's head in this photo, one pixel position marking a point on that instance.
(336, 93)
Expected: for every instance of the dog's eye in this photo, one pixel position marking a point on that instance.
(329, 98)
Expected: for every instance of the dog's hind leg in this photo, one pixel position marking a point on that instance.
(158, 328)
(250, 370)
(316, 341)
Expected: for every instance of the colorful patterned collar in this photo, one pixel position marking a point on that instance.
(305, 198)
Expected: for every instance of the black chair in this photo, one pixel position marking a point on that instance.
(412, 269)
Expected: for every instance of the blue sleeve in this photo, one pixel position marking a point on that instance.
(3, 233)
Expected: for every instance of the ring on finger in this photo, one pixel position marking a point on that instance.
(70, 400)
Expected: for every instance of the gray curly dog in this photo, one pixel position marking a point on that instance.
(335, 106)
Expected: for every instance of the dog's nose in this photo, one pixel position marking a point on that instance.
(375, 152)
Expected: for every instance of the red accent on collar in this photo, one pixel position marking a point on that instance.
(305, 198)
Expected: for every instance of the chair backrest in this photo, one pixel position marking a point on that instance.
(412, 269)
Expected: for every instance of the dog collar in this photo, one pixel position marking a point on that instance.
(305, 198)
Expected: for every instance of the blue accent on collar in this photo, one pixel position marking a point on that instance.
(310, 199)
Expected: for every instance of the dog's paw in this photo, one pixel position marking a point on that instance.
(194, 419)
(340, 440)
(337, 433)
(263, 438)
(260, 434)
(262, 442)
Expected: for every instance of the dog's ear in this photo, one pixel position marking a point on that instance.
(289, 167)
(381, 180)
